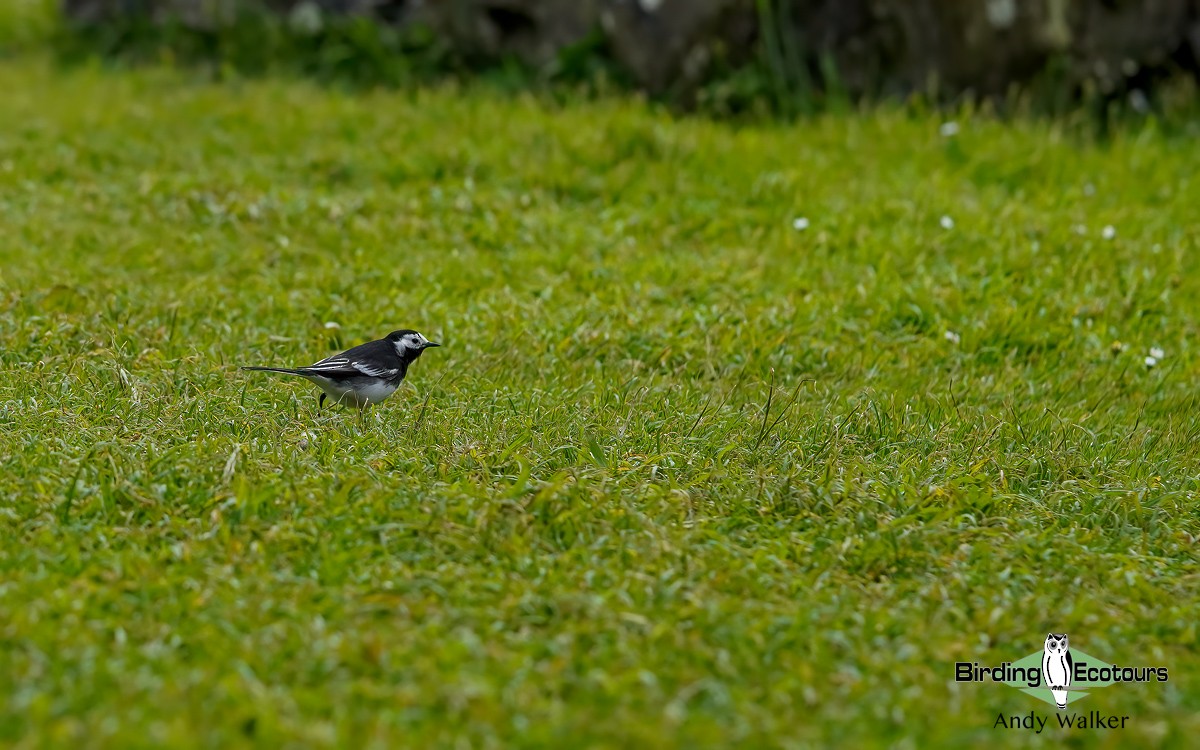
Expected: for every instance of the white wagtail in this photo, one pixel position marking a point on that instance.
(366, 374)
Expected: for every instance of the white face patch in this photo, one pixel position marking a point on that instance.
(411, 342)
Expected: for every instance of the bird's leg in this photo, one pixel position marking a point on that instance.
(321, 401)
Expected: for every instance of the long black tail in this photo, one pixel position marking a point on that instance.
(284, 370)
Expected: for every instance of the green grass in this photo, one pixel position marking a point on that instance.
(681, 476)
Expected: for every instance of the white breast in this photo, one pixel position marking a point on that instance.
(344, 396)
(377, 392)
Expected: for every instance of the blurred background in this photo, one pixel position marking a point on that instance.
(722, 56)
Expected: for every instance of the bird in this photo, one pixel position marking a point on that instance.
(1057, 667)
(367, 374)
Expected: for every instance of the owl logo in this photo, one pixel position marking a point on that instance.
(1057, 667)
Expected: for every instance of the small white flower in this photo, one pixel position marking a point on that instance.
(949, 129)
(1109, 232)
(1157, 353)
(1079, 229)
(305, 18)
(953, 337)
(329, 324)
(947, 222)
(1151, 361)
(1139, 102)
(800, 223)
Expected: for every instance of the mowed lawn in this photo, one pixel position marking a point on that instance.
(686, 472)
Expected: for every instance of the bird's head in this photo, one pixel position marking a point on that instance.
(409, 344)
